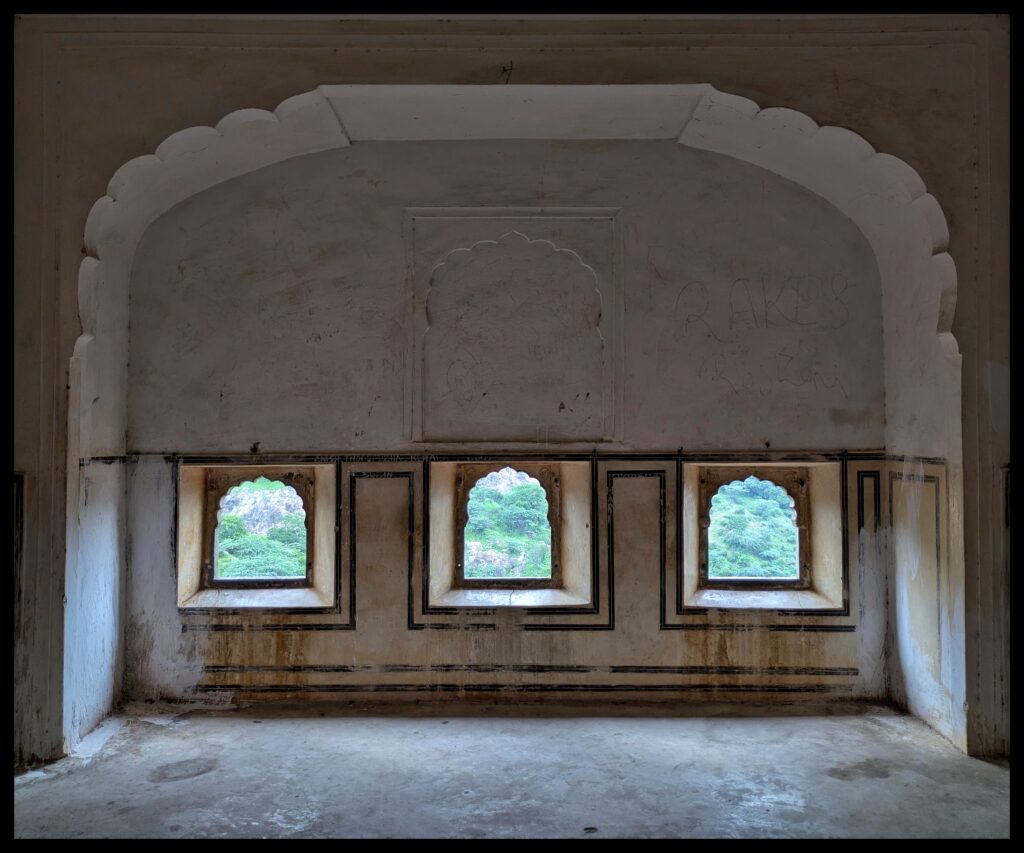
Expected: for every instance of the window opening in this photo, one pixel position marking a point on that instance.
(261, 533)
(507, 535)
(752, 534)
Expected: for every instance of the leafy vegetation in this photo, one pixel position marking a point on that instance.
(507, 533)
(260, 534)
(752, 531)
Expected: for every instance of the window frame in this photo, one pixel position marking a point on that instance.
(326, 592)
(796, 481)
(218, 482)
(467, 475)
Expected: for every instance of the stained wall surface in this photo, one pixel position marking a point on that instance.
(744, 311)
(85, 104)
(293, 308)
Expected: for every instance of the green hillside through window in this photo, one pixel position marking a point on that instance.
(752, 532)
(507, 534)
(261, 532)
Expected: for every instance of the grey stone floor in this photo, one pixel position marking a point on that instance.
(491, 771)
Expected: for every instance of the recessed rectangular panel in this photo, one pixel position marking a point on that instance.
(916, 531)
(516, 325)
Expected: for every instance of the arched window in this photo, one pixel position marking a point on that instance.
(258, 536)
(508, 526)
(258, 527)
(260, 533)
(752, 532)
(507, 534)
(754, 528)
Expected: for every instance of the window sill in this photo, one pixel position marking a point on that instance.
(510, 598)
(761, 599)
(256, 599)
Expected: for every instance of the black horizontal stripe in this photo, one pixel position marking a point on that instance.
(526, 688)
(540, 668)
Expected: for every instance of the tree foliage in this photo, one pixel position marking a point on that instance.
(242, 551)
(507, 533)
(752, 531)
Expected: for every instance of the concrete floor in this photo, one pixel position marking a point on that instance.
(493, 772)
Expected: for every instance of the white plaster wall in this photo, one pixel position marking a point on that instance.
(276, 308)
(156, 657)
(933, 91)
(927, 640)
(93, 647)
(93, 602)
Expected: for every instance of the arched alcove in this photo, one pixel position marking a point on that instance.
(507, 171)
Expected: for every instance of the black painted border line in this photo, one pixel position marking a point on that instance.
(411, 623)
(775, 627)
(278, 458)
(679, 549)
(933, 480)
(526, 688)
(470, 626)
(869, 474)
(662, 476)
(595, 561)
(304, 626)
(844, 526)
(610, 477)
(425, 607)
(175, 460)
(834, 671)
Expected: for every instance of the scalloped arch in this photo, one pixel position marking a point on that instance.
(881, 194)
(741, 480)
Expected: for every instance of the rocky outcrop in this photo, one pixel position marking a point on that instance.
(261, 509)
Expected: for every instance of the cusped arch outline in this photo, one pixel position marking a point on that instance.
(881, 194)
(463, 253)
(183, 165)
(875, 190)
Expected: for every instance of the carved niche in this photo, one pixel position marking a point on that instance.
(514, 336)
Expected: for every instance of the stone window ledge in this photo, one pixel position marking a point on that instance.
(511, 598)
(781, 599)
(256, 598)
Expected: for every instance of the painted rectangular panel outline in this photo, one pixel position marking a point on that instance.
(931, 479)
(613, 314)
(864, 475)
(541, 669)
(248, 689)
(876, 502)
(611, 477)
